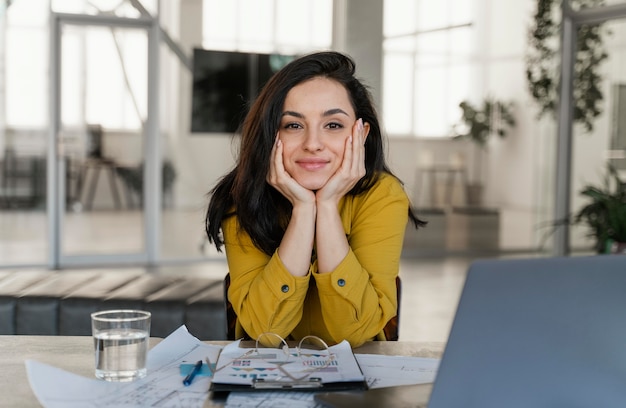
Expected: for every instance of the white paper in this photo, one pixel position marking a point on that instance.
(272, 399)
(163, 387)
(388, 371)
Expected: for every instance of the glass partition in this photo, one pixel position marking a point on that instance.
(103, 93)
(23, 127)
(605, 144)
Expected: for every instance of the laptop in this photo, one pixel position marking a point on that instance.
(546, 332)
(530, 333)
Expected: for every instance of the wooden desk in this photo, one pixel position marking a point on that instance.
(75, 354)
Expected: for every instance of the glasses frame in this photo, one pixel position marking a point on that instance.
(303, 381)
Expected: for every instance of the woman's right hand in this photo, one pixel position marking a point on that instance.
(283, 182)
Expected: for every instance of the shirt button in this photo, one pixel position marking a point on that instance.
(285, 288)
(341, 282)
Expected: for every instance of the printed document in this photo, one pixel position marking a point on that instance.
(162, 387)
(244, 366)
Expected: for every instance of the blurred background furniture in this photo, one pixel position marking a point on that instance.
(23, 180)
(91, 169)
(60, 303)
(94, 163)
(429, 175)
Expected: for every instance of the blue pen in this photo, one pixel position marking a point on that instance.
(192, 374)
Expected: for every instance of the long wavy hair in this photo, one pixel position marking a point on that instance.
(263, 212)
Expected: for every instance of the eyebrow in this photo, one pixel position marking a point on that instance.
(329, 112)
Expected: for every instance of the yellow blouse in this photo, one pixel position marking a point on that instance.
(353, 302)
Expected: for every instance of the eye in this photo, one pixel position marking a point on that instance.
(292, 125)
(334, 125)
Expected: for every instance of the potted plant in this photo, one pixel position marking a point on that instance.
(605, 213)
(542, 65)
(477, 124)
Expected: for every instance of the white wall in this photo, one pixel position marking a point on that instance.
(516, 163)
(358, 31)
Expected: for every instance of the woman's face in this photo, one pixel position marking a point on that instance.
(317, 119)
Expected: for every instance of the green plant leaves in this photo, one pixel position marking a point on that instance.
(542, 67)
(605, 211)
(477, 124)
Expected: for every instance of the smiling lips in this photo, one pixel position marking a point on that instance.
(312, 164)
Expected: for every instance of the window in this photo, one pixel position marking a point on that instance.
(101, 51)
(25, 76)
(268, 26)
(429, 63)
(92, 54)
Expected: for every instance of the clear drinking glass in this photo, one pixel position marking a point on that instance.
(121, 343)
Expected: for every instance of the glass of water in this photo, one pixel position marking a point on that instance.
(120, 340)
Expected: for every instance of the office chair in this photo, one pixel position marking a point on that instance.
(391, 329)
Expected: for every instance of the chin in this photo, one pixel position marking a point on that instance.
(312, 184)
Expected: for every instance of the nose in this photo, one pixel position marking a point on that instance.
(312, 141)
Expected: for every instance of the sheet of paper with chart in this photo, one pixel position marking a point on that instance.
(162, 386)
(388, 371)
(240, 368)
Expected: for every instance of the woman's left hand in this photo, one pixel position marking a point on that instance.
(352, 168)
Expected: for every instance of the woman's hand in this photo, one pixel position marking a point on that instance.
(297, 243)
(352, 167)
(282, 181)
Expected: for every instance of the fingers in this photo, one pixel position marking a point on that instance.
(276, 161)
(280, 179)
(360, 158)
(271, 174)
(356, 147)
(352, 168)
(276, 173)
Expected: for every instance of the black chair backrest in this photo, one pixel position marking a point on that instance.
(231, 316)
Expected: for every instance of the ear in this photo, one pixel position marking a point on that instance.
(366, 129)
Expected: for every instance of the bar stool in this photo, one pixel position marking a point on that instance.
(428, 172)
(97, 164)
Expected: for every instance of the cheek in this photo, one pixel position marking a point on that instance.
(339, 146)
(288, 151)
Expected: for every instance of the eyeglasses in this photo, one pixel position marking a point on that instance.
(295, 365)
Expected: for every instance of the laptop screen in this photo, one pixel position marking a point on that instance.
(546, 332)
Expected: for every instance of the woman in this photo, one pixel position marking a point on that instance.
(311, 217)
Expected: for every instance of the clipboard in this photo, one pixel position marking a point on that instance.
(238, 369)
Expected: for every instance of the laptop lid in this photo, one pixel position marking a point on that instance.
(547, 332)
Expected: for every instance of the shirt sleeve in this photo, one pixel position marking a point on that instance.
(264, 295)
(359, 297)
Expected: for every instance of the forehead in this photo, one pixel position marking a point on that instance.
(319, 93)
